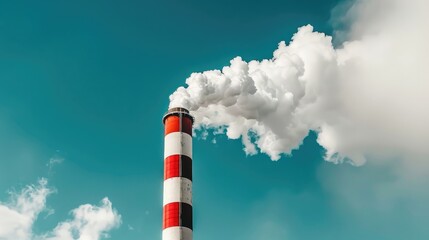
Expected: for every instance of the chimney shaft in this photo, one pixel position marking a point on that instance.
(177, 203)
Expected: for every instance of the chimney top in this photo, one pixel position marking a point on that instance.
(178, 111)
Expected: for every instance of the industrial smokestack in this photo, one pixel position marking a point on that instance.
(177, 203)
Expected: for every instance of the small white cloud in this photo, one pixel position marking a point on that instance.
(19, 213)
(88, 222)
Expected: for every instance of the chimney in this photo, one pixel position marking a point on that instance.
(177, 202)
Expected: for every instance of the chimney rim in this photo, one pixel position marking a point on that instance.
(177, 111)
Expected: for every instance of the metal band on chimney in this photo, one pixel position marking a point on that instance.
(177, 200)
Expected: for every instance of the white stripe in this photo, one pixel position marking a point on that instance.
(178, 143)
(177, 233)
(177, 189)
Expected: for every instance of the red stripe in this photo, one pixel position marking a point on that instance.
(172, 167)
(178, 166)
(171, 215)
(172, 124)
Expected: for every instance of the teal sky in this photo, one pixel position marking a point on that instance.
(88, 82)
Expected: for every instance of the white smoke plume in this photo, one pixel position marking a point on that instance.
(367, 98)
(89, 222)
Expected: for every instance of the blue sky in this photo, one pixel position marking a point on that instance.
(87, 82)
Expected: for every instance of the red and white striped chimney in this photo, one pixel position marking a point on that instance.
(177, 206)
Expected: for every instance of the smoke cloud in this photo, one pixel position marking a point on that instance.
(365, 99)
